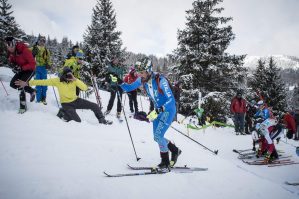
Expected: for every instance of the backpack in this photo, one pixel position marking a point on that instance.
(157, 79)
(141, 115)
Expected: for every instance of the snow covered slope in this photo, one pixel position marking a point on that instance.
(282, 61)
(44, 157)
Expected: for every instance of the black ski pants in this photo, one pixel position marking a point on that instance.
(70, 109)
(133, 101)
(24, 76)
(113, 94)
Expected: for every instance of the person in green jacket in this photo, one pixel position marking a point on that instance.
(114, 76)
(43, 63)
(66, 86)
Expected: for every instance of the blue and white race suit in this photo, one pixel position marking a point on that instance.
(164, 99)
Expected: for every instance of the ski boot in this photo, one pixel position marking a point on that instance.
(107, 112)
(175, 152)
(44, 101)
(104, 121)
(118, 114)
(32, 96)
(21, 111)
(61, 114)
(164, 165)
(23, 105)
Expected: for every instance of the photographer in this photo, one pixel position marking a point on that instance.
(66, 86)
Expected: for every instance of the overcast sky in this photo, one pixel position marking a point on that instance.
(262, 27)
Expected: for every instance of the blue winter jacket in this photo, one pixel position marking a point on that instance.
(165, 99)
(265, 114)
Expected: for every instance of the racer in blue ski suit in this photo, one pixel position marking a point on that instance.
(159, 92)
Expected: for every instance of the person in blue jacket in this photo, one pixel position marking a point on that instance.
(159, 91)
(262, 112)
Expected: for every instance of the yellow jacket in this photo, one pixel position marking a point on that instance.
(43, 56)
(67, 91)
(73, 64)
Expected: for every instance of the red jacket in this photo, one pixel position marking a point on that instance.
(238, 105)
(289, 121)
(129, 78)
(22, 57)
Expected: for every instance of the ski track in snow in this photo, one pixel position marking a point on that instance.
(43, 157)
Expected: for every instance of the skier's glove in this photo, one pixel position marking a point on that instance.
(159, 110)
(113, 79)
(267, 158)
(152, 115)
(258, 153)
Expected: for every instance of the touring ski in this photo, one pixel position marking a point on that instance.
(135, 174)
(292, 183)
(176, 168)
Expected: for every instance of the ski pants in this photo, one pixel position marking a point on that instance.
(24, 76)
(133, 101)
(239, 122)
(70, 109)
(113, 94)
(41, 91)
(160, 126)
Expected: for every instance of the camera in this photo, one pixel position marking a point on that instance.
(69, 76)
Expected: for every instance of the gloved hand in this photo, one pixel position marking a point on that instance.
(113, 78)
(267, 158)
(154, 114)
(258, 153)
(159, 110)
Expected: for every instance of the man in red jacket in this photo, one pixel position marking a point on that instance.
(238, 108)
(129, 79)
(24, 66)
(290, 124)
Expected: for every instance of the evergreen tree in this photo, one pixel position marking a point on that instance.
(102, 41)
(276, 93)
(258, 82)
(294, 103)
(203, 65)
(8, 27)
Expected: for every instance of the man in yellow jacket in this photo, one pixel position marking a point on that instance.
(66, 86)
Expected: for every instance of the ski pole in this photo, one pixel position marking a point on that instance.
(55, 94)
(118, 95)
(4, 87)
(141, 102)
(215, 152)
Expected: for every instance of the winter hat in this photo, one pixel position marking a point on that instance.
(10, 41)
(41, 38)
(66, 70)
(80, 54)
(75, 46)
(132, 69)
